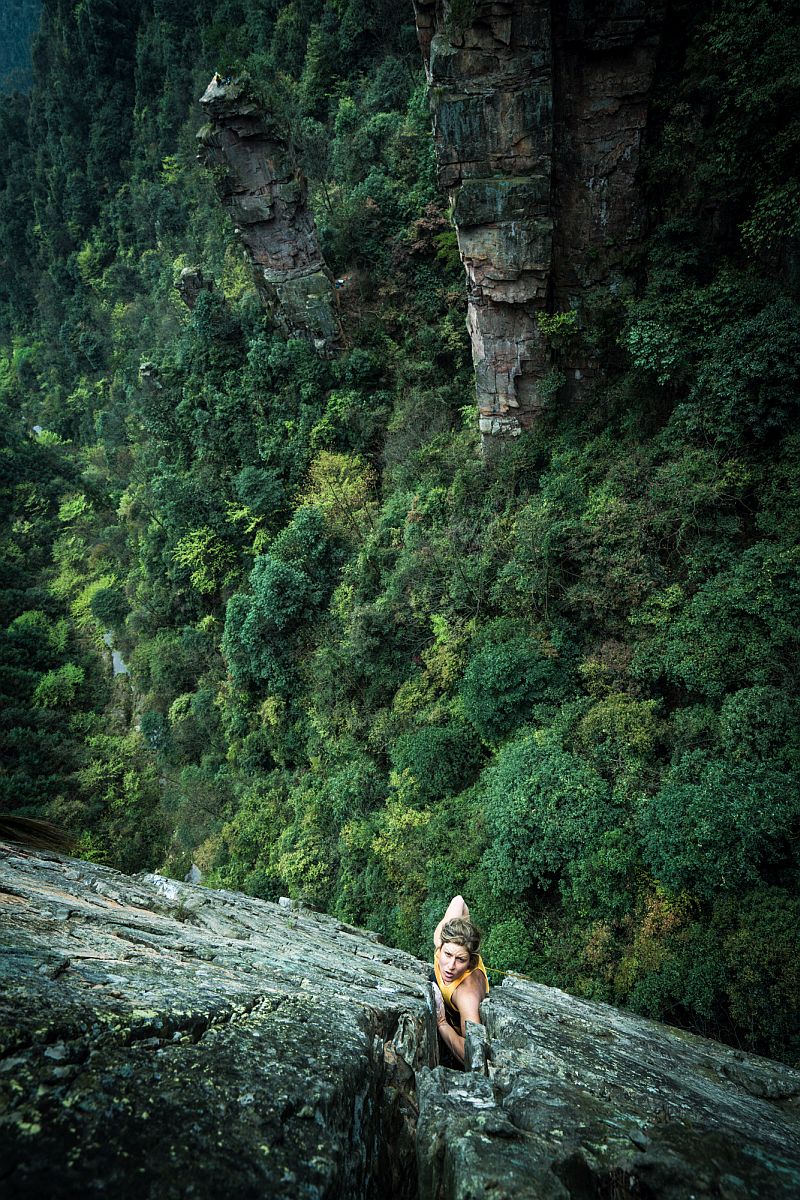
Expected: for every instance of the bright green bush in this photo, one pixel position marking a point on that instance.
(619, 734)
(509, 946)
(58, 688)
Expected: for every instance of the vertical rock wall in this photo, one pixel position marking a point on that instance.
(265, 193)
(538, 113)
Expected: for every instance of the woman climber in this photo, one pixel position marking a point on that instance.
(461, 980)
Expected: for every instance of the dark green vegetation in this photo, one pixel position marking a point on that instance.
(371, 669)
(18, 23)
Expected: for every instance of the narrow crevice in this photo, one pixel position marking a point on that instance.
(402, 1046)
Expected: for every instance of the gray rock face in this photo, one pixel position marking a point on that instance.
(538, 114)
(163, 1040)
(569, 1099)
(190, 283)
(266, 197)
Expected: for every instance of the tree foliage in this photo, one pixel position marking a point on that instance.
(367, 666)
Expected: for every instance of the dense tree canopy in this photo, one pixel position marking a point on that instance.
(367, 666)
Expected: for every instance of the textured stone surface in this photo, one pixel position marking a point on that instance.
(191, 282)
(265, 194)
(163, 1040)
(580, 1100)
(538, 115)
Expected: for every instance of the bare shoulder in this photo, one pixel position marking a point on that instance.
(472, 989)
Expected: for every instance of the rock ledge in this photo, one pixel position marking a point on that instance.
(161, 1040)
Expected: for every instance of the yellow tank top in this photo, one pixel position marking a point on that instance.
(447, 989)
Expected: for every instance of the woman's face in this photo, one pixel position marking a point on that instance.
(453, 960)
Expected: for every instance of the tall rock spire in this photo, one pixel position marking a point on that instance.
(538, 116)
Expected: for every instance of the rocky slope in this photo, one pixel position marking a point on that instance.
(539, 112)
(164, 1040)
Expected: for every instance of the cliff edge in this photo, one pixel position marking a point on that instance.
(164, 1040)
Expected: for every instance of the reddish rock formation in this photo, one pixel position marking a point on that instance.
(538, 114)
(266, 196)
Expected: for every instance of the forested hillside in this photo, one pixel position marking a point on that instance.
(369, 666)
(18, 23)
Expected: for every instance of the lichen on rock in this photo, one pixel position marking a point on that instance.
(160, 1039)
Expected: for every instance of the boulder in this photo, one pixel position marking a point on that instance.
(190, 283)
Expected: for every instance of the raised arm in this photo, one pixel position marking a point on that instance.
(456, 908)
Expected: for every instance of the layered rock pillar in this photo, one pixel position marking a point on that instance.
(538, 111)
(265, 194)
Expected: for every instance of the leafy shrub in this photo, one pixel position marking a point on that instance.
(760, 935)
(508, 681)
(288, 586)
(741, 627)
(682, 976)
(257, 624)
(750, 380)
(109, 607)
(509, 946)
(716, 825)
(34, 639)
(546, 809)
(619, 734)
(59, 687)
(439, 759)
(260, 489)
(194, 724)
(761, 723)
(602, 883)
(155, 730)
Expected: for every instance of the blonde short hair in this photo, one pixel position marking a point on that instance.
(463, 933)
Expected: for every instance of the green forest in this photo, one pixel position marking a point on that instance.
(370, 667)
(19, 20)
